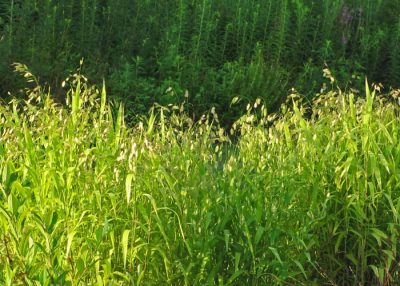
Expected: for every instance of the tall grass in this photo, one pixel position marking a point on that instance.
(308, 196)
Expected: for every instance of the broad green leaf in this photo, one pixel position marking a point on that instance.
(70, 237)
(124, 243)
(259, 233)
(276, 254)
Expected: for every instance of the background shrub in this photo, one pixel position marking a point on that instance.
(216, 50)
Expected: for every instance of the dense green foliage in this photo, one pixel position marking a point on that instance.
(309, 196)
(208, 187)
(153, 51)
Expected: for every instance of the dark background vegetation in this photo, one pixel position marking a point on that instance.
(153, 51)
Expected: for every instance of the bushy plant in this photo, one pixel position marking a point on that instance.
(140, 46)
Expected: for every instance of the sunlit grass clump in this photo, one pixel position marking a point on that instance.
(309, 196)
